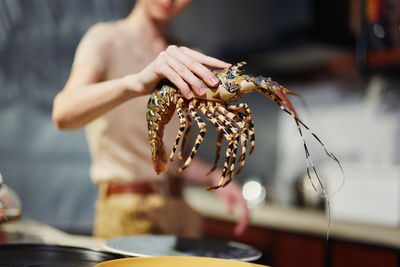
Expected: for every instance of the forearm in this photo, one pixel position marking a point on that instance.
(75, 105)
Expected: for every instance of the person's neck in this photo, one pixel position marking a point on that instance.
(154, 34)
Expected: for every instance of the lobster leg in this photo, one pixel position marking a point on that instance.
(218, 152)
(243, 133)
(187, 131)
(200, 136)
(231, 150)
(246, 130)
(182, 121)
(219, 142)
(234, 139)
(247, 117)
(214, 121)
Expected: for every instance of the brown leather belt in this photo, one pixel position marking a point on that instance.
(171, 187)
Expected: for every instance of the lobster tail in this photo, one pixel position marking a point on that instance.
(158, 156)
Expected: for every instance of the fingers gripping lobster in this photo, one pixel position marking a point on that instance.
(232, 121)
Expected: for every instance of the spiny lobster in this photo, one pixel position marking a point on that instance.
(233, 121)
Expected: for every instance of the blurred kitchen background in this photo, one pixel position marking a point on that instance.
(342, 57)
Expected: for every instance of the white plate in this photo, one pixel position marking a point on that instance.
(169, 245)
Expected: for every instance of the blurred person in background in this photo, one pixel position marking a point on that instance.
(116, 66)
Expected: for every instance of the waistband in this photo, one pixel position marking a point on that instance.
(171, 187)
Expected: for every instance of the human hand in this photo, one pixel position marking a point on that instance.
(181, 65)
(232, 196)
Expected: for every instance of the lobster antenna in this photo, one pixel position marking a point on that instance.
(309, 160)
(279, 95)
(329, 154)
(325, 194)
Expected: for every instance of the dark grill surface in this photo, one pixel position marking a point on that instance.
(21, 265)
(30, 255)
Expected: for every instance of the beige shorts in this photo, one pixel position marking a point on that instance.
(135, 214)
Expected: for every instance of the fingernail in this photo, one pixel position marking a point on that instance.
(214, 80)
(190, 95)
(202, 91)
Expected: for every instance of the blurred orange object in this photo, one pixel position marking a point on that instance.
(176, 261)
